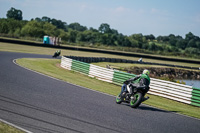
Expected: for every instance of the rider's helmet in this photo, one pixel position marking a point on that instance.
(146, 72)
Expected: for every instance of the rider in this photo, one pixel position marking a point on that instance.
(57, 53)
(143, 80)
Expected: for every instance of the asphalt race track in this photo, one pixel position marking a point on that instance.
(42, 104)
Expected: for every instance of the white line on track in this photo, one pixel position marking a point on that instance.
(22, 129)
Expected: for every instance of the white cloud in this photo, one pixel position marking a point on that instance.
(197, 18)
(154, 10)
(120, 9)
(83, 7)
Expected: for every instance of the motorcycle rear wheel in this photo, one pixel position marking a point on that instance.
(136, 101)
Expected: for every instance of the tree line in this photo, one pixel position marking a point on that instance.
(14, 25)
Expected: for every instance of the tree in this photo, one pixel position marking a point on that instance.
(126, 41)
(138, 37)
(50, 29)
(179, 37)
(172, 41)
(93, 30)
(4, 26)
(58, 23)
(171, 36)
(46, 19)
(77, 27)
(72, 36)
(38, 19)
(189, 36)
(181, 44)
(64, 35)
(120, 40)
(90, 36)
(198, 44)
(192, 43)
(81, 37)
(9, 26)
(33, 29)
(150, 37)
(163, 38)
(114, 31)
(152, 46)
(105, 28)
(14, 13)
(192, 51)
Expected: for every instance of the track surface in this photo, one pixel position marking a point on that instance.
(41, 104)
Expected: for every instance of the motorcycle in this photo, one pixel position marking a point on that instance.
(56, 54)
(134, 96)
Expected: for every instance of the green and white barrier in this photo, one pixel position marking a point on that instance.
(99, 73)
(174, 91)
(178, 92)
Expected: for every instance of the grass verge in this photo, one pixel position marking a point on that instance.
(5, 128)
(50, 67)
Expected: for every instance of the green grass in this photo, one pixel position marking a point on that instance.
(50, 67)
(4, 128)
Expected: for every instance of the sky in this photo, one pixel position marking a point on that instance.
(157, 17)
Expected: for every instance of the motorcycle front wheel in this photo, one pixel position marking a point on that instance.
(118, 100)
(136, 100)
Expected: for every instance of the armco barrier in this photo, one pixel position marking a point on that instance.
(174, 91)
(116, 60)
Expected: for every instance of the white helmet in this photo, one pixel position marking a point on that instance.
(146, 72)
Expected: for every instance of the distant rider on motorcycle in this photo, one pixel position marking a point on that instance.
(141, 81)
(57, 53)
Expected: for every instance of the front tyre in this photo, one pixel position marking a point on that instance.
(118, 100)
(136, 100)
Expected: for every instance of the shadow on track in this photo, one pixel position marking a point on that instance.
(148, 108)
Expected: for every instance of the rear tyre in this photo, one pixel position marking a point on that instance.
(136, 100)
